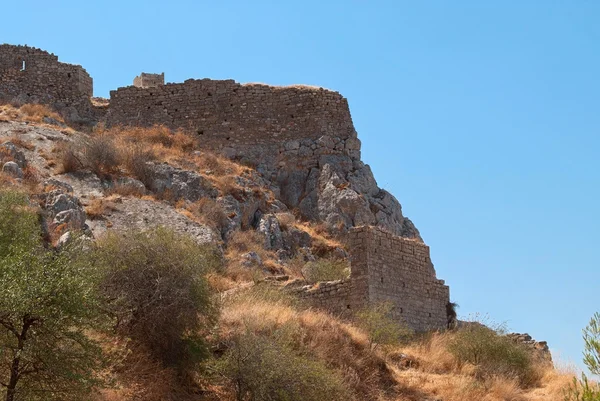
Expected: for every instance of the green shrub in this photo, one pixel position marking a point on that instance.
(583, 390)
(156, 286)
(48, 304)
(493, 354)
(262, 368)
(326, 270)
(381, 326)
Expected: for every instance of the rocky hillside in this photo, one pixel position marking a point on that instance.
(268, 232)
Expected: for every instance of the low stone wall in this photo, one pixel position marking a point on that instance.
(339, 297)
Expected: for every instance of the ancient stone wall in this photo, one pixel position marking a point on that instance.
(399, 270)
(32, 75)
(224, 112)
(386, 268)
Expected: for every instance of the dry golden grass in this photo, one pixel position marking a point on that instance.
(97, 207)
(205, 211)
(33, 113)
(440, 375)
(139, 377)
(339, 345)
(134, 146)
(242, 242)
(319, 234)
(21, 143)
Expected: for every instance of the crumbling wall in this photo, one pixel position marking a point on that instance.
(341, 297)
(386, 268)
(32, 75)
(399, 270)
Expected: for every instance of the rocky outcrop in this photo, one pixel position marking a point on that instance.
(326, 181)
(62, 207)
(179, 184)
(539, 348)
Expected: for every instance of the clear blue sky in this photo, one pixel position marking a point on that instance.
(481, 117)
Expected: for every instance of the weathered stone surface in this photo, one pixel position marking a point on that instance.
(12, 169)
(180, 184)
(64, 208)
(14, 153)
(135, 213)
(269, 227)
(251, 259)
(43, 79)
(132, 185)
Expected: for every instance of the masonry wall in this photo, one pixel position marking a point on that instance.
(44, 78)
(223, 111)
(400, 271)
(386, 268)
(341, 297)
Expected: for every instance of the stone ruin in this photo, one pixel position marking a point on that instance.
(145, 80)
(301, 139)
(386, 268)
(30, 75)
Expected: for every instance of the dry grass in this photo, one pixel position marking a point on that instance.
(97, 207)
(126, 150)
(242, 242)
(340, 346)
(33, 113)
(206, 211)
(319, 234)
(439, 374)
(21, 143)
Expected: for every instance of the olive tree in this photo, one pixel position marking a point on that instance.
(48, 304)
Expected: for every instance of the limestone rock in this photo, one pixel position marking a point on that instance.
(131, 185)
(64, 208)
(12, 169)
(17, 155)
(269, 227)
(251, 259)
(180, 184)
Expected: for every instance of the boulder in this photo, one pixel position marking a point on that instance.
(180, 184)
(12, 169)
(17, 155)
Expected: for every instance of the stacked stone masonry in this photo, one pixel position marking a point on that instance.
(145, 80)
(33, 75)
(224, 111)
(387, 268)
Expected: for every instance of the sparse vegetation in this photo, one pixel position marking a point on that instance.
(326, 270)
(493, 354)
(381, 327)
